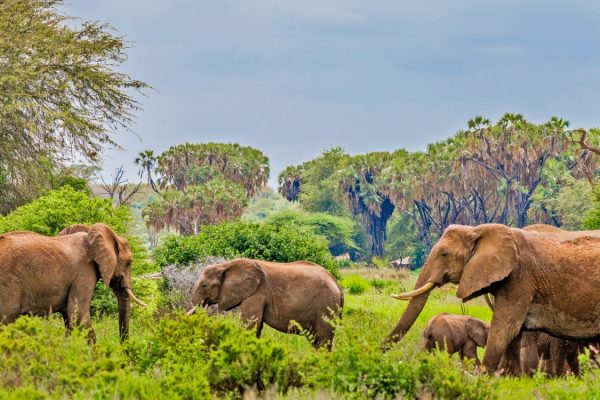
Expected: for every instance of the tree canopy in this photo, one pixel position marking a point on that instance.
(504, 172)
(61, 94)
(202, 184)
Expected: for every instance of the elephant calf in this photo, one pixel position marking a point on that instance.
(550, 354)
(282, 295)
(456, 334)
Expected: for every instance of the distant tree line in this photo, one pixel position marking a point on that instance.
(509, 172)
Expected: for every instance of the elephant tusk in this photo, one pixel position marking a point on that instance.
(488, 300)
(191, 311)
(417, 292)
(130, 294)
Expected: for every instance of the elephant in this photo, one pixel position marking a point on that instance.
(550, 354)
(282, 295)
(41, 275)
(456, 334)
(539, 282)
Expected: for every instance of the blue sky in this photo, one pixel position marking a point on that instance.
(294, 78)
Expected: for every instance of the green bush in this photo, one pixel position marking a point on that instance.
(339, 231)
(355, 284)
(59, 208)
(233, 239)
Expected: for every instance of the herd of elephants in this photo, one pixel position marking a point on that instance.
(542, 283)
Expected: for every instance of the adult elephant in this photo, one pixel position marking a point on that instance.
(282, 295)
(538, 282)
(40, 275)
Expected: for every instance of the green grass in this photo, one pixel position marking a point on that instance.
(190, 357)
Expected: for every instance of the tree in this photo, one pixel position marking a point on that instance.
(60, 93)
(361, 186)
(147, 162)
(202, 184)
(119, 190)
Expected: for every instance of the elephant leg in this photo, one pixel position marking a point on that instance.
(512, 357)
(323, 334)
(78, 313)
(65, 317)
(558, 357)
(252, 313)
(469, 350)
(530, 358)
(506, 324)
(573, 359)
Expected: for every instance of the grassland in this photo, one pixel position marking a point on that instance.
(212, 357)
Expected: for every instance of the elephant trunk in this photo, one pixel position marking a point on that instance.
(414, 308)
(124, 302)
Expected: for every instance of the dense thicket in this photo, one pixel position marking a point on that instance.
(510, 172)
(60, 94)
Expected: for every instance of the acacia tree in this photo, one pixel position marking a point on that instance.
(202, 184)
(60, 93)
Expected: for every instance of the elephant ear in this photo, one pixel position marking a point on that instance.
(478, 331)
(104, 247)
(495, 254)
(241, 278)
(74, 229)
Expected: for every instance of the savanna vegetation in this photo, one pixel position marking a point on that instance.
(63, 98)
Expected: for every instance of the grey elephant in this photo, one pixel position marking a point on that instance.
(280, 295)
(40, 275)
(456, 334)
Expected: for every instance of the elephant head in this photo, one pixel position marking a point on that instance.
(226, 284)
(472, 257)
(112, 255)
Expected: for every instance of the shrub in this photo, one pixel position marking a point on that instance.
(355, 284)
(339, 231)
(219, 350)
(178, 282)
(59, 208)
(245, 239)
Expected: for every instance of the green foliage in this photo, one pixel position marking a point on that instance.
(339, 231)
(59, 208)
(592, 219)
(203, 184)
(181, 357)
(61, 93)
(245, 239)
(402, 237)
(264, 204)
(355, 284)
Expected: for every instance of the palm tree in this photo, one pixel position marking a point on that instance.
(147, 163)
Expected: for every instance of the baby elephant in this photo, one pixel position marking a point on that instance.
(456, 334)
(281, 295)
